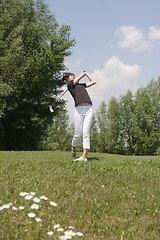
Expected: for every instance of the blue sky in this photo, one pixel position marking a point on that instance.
(118, 42)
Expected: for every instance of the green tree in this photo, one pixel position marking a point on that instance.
(33, 47)
(127, 126)
(130, 125)
(113, 126)
(59, 133)
(94, 136)
(101, 120)
(147, 113)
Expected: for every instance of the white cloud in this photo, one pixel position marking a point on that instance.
(154, 33)
(113, 79)
(133, 38)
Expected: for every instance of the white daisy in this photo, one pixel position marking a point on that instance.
(21, 207)
(43, 198)
(32, 193)
(1, 208)
(38, 219)
(36, 200)
(31, 215)
(79, 234)
(34, 206)
(56, 226)
(6, 205)
(65, 237)
(53, 204)
(14, 208)
(28, 197)
(60, 229)
(50, 233)
(70, 233)
(71, 227)
(22, 194)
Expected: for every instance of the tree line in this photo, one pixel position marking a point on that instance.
(33, 48)
(128, 125)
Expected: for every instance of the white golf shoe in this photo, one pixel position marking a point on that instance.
(83, 159)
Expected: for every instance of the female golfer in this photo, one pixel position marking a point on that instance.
(83, 112)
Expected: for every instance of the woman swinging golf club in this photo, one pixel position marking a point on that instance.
(83, 113)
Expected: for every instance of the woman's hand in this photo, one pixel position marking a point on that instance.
(79, 77)
(92, 80)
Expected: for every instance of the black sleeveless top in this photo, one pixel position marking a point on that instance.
(79, 93)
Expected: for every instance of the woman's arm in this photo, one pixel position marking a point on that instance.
(78, 78)
(92, 80)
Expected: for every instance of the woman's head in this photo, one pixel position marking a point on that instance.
(68, 76)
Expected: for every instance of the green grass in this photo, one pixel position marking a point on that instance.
(110, 197)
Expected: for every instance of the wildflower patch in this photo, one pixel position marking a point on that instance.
(32, 204)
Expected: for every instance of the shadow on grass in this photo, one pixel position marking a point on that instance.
(93, 159)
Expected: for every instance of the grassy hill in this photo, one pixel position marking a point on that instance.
(45, 195)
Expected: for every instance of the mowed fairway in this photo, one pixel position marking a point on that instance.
(109, 197)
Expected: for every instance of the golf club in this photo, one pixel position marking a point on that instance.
(51, 108)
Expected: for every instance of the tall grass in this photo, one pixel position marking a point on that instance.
(108, 197)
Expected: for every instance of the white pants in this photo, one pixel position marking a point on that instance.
(83, 116)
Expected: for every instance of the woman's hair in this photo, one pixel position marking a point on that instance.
(66, 75)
